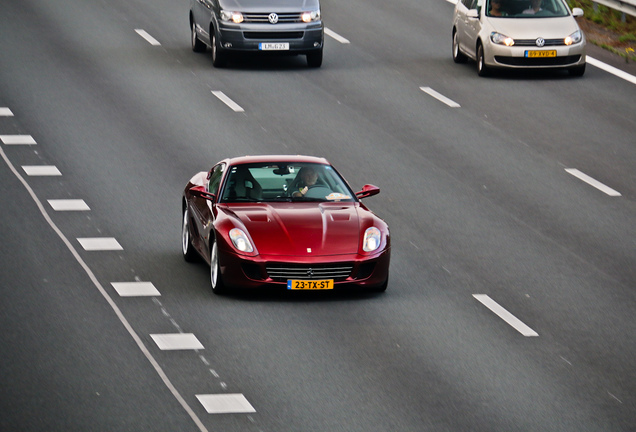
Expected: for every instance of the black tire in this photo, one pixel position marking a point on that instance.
(219, 56)
(577, 71)
(189, 253)
(482, 69)
(216, 279)
(458, 56)
(314, 59)
(197, 45)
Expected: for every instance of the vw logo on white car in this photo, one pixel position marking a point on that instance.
(540, 42)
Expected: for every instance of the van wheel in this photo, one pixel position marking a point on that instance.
(314, 59)
(197, 45)
(219, 56)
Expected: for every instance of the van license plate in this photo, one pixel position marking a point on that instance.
(270, 46)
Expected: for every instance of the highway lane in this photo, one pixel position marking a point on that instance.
(474, 208)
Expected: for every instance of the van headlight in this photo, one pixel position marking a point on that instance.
(310, 16)
(235, 17)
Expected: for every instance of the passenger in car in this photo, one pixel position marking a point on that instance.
(496, 8)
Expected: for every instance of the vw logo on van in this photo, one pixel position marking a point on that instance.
(273, 18)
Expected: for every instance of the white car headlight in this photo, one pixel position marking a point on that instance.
(371, 239)
(240, 240)
(310, 16)
(501, 39)
(575, 37)
(236, 17)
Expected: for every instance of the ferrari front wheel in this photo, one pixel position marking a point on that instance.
(189, 254)
(216, 279)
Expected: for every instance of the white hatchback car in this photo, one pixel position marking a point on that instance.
(521, 34)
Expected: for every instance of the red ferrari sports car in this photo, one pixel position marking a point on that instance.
(288, 221)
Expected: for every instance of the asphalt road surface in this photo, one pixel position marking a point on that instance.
(510, 200)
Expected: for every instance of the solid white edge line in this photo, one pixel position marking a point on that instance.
(336, 36)
(144, 34)
(107, 297)
(502, 313)
(611, 69)
(592, 182)
(227, 101)
(440, 97)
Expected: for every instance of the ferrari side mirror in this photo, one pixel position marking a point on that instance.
(202, 193)
(367, 191)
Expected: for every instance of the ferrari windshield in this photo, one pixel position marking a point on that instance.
(269, 182)
(526, 8)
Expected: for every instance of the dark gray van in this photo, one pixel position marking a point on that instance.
(273, 26)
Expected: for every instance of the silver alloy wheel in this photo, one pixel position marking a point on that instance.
(185, 233)
(458, 56)
(214, 267)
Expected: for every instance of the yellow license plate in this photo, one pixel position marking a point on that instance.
(295, 284)
(535, 54)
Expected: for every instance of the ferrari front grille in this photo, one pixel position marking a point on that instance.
(335, 271)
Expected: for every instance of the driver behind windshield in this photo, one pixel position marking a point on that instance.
(308, 177)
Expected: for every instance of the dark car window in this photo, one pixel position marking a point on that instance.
(215, 178)
(273, 182)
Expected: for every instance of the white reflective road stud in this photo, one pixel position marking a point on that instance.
(41, 170)
(17, 139)
(225, 403)
(99, 243)
(68, 205)
(176, 341)
(135, 289)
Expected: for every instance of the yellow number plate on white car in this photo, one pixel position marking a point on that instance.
(535, 54)
(295, 284)
(271, 46)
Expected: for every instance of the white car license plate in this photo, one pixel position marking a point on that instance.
(271, 46)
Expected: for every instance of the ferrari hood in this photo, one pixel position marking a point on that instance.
(532, 28)
(302, 229)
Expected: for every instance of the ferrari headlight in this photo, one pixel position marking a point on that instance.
(501, 39)
(575, 37)
(310, 16)
(240, 240)
(371, 239)
(235, 17)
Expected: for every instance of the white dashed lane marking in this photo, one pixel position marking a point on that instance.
(227, 101)
(144, 34)
(440, 97)
(225, 403)
(176, 341)
(41, 170)
(135, 289)
(5, 112)
(17, 139)
(592, 182)
(99, 243)
(505, 315)
(336, 36)
(68, 205)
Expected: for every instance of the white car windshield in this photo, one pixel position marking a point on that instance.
(526, 8)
